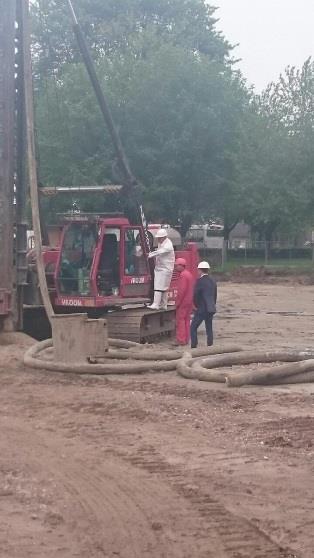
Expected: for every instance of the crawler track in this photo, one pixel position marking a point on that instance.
(137, 324)
(141, 325)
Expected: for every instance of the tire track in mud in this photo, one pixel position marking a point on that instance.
(108, 521)
(109, 508)
(115, 510)
(83, 525)
(117, 513)
(235, 537)
(239, 538)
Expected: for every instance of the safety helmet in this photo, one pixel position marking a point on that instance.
(180, 261)
(162, 233)
(203, 265)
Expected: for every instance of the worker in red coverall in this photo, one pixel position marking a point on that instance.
(184, 302)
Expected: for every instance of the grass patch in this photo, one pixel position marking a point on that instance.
(296, 265)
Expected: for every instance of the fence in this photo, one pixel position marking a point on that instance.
(261, 253)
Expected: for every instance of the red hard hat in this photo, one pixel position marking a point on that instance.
(181, 261)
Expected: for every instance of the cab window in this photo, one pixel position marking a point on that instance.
(76, 258)
(108, 276)
(135, 262)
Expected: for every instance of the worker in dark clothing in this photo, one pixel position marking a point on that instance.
(204, 299)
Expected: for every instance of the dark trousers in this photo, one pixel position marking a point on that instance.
(200, 317)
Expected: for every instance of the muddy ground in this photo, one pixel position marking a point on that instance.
(158, 466)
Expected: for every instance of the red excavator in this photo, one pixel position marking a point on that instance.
(101, 266)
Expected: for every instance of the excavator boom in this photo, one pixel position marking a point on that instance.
(129, 180)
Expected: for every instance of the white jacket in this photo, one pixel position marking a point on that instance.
(164, 265)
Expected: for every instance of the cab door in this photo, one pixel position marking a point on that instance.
(135, 274)
(108, 263)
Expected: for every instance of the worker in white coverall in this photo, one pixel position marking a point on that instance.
(164, 264)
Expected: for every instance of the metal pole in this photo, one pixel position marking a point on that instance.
(21, 182)
(32, 167)
(130, 180)
(7, 57)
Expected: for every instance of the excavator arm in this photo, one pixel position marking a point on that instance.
(130, 183)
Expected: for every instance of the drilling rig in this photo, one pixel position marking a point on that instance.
(101, 265)
(13, 225)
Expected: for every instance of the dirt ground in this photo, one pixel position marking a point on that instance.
(157, 466)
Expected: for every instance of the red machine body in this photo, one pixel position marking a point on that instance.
(102, 263)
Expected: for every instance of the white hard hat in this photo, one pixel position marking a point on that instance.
(162, 233)
(203, 265)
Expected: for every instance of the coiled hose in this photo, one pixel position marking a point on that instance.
(207, 369)
(204, 364)
(141, 358)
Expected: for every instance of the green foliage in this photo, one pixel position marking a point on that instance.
(201, 144)
(177, 111)
(110, 27)
(282, 185)
(289, 103)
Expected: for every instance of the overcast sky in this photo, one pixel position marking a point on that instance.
(272, 34)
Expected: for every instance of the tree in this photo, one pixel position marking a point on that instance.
(286, 127)
(289, 103)
(111, 26)
(178, 116)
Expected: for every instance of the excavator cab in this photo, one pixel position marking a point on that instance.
(102, 263)
(76, 259)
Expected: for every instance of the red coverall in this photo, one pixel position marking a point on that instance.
(184, 305)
